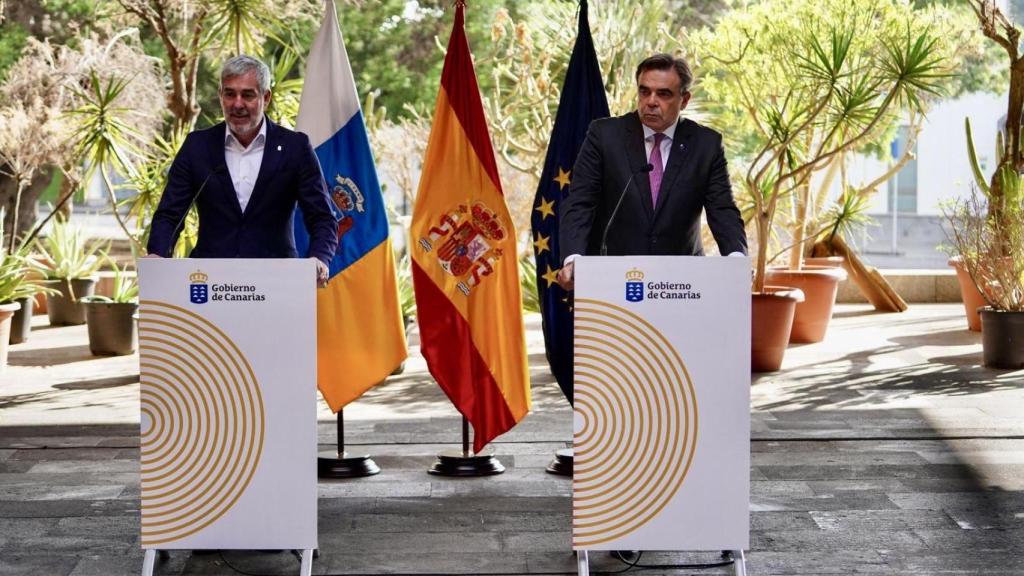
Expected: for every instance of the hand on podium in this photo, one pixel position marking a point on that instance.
(322, 273)
(566, 279)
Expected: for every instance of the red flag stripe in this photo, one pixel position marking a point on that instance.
(456, 364)
(459, 81)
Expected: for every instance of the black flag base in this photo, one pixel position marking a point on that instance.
(332, 465)
(466, 464)
(562, 464)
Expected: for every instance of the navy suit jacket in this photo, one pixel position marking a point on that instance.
(289, 175)
(696, 179)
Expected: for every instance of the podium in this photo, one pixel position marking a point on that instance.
(662, 412)
(228, 405)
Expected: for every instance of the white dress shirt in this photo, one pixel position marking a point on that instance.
(244, 163)
(666, 142)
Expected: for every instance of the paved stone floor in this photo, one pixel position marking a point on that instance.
(885, 449)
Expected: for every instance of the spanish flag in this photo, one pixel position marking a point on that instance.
(360, 334)
(465, 268)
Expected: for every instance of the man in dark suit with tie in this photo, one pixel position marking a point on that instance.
(666, 170)
(246, 175)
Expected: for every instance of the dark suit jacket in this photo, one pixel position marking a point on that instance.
(289, 175)
(696, 178)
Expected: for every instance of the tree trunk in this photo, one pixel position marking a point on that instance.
(868, 279)
(27, 212)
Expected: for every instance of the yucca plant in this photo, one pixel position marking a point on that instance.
(16, 281)
(125, 288)
(67, 254)
(105, 139)
(528, 283)
(794, 94)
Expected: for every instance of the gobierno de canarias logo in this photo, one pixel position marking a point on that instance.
(198, 289)
(634, 286)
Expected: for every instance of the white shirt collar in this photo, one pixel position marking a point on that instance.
(261, 137)
(669, 132)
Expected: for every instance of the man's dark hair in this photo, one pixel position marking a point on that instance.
(664, 61)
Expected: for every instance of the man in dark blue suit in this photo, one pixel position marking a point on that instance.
(246, 175)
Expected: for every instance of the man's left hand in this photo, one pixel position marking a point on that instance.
(322, 273)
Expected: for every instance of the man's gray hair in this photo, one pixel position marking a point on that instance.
(241, 65)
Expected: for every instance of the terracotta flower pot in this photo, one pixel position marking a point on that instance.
(771, 322)
(820, 284)
(969, 293)
(62, 308)
(21, 322)
(1002, 338)
(825, 261)
(6, 313)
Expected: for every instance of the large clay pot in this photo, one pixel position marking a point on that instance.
(62, 308)
(21, 322)
(1002, 338)
(820, 284)
(969, 293)
(6, 312)
(771, 322)
(112, 328)
(825, 261)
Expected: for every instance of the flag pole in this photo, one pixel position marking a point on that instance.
(340, 464)
(464, 463)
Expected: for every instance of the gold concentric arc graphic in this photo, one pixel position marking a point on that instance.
(637, 414)
(202, 422)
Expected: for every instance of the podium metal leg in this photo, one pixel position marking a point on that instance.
(582, 563)
(739, 566)
(148, 562)
(307, 563)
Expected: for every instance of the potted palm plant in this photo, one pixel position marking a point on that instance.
(17, 287)
(111, 319)
(990, 244)
(796, 93)
(69, 263)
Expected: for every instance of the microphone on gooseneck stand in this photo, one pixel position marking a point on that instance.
(604, 237)
(219, 169)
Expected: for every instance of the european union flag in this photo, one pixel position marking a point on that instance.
(583, 100)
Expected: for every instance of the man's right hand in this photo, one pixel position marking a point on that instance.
(566, 279)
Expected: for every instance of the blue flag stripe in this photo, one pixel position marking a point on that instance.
(347, 155)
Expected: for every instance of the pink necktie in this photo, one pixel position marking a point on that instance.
(659, 169)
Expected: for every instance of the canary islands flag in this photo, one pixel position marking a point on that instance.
(360, 334)
(583, 100)
(465, 269)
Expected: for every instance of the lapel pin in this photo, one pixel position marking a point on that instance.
(278, 147)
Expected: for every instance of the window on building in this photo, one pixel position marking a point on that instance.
(904, 184)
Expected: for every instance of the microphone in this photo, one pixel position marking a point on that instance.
(219, 169)
(604, 237)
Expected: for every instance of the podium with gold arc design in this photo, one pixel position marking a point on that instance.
(228, 408)
(662, 411)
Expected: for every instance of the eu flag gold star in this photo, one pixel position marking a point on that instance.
(546, 208)
(551, 276)
(541, 244)
(562, 178)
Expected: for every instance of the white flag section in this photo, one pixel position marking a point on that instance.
(662, 403)
(328, 75)
(356, 351)
(228, 410)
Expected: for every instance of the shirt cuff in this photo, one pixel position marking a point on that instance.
(731, 254)
(569, 259)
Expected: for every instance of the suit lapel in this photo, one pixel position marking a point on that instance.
(271, 158)
(675, 163)
(223, 175)
(636, 155)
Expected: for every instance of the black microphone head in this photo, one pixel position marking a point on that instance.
(649, 167)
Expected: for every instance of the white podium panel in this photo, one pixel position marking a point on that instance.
(228, 400)
(662, 403)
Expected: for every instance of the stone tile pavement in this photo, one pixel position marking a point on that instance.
(885, 449)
